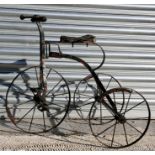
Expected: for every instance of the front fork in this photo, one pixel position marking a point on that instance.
(43, 79)
(42, 87)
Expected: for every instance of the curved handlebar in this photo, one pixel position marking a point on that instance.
(34, 18)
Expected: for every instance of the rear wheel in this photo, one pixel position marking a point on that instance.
(86, 90)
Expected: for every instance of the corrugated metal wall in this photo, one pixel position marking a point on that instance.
(126, 32)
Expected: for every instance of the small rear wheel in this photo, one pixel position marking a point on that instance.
(86, 92)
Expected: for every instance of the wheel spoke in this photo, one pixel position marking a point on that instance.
(104, 123)
(32, 118)
(54, 87)
(105, 130)
(113, 133)
(141, 118)
(101, 113)
(15, 106)
(48, 73)
(25, 102)
(57, 104)
(126, 138)
(85, 95)
(22, 93)
(87, 101)
(26, 114)
(54, 95)
(133, 107)
(127, 103)
(108, 121)
(134, 127)
(108, 83)
(82, 105)
(44, 122)
(27, 85)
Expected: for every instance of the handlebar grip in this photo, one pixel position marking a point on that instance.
(34, 18)
(22, 17)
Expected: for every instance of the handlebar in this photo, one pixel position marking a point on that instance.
(34, 18)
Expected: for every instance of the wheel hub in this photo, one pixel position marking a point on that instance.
(41, 105)
(120, 118)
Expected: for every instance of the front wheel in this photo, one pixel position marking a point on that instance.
(31, 111)
(128, 126)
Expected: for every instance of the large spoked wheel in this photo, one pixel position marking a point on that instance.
(128, 126)
(31, 111)
(86, 92)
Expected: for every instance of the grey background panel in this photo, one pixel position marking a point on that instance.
(126, 32)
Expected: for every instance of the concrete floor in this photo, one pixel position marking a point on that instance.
(69, 143)
(71, 135)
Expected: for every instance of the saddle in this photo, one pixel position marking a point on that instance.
(87, 39)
